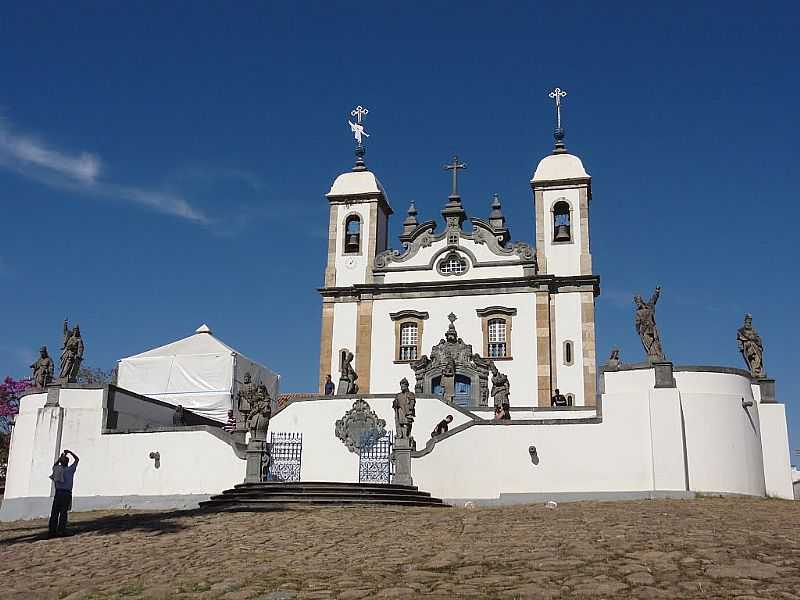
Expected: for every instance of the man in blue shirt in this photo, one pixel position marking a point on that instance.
(63, 476)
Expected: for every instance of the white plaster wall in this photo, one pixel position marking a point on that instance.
(485, 461)
(562, 259)
(345, 275)
(567, 326)
(521, 369)
(666, 433)
(529, 414)
(723, 443)
(192, 461)
(714, 383)
(775, 448)
(325, 457)
(22, 450)
(617, 382)
(345, 317)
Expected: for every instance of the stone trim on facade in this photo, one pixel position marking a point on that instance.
(589, 353)
(363, 352)
(583, 228)
(543, 372)
(330, 270)
(326, 344)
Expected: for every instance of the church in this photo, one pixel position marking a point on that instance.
(483, 328)
(529, 310)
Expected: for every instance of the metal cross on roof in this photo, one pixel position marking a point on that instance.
(557, 94)
(358, 112)
(454, 167)
(357, 128)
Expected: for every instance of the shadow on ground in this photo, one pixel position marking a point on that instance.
(85, 523)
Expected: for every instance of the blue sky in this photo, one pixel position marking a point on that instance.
(165, 164)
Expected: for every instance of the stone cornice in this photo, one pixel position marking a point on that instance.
(465, 287)
(408, 314)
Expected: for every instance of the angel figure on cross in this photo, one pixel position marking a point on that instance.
(358, 131)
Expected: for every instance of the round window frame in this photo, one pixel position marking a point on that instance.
(446, 258)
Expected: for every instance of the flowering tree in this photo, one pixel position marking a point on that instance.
(10, 391)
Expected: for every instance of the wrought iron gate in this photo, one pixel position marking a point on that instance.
(375, 463)
(286, 450)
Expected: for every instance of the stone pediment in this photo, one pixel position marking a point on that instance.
(483, 233)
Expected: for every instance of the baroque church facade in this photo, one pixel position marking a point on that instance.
(460, 301)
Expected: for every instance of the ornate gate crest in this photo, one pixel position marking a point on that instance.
(360, 427)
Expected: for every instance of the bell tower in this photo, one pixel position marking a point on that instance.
(562, 190)
(358, 229)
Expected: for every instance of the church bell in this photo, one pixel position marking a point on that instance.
(562, 233)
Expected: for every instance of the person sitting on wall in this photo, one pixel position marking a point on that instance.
(442, 426)
(63, 476)
(330, 387)
(558, 399)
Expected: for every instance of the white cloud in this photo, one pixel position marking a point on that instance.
(34, 159)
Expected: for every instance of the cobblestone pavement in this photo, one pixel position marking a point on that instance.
(705, 548)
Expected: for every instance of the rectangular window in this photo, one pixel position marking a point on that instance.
(497, 338)
(409, 338)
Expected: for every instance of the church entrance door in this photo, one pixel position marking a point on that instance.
(462, 390)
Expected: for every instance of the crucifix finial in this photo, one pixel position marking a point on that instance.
(359, 112)
(454, 167)
(557, 94)
(452, 317)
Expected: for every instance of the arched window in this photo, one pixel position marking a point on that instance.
(352, 235)
(562, 231)
(409, 340)
(570, 399)
(497, 338)
(569, 353)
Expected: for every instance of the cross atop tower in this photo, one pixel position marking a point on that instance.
(454, 167)
(359, 134)
(557, 94)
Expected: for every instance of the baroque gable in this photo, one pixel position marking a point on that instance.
(423, 247)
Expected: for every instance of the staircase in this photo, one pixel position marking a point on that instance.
(282, 495)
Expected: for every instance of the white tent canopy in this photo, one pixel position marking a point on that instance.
(199, 372)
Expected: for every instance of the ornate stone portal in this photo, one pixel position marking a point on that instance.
(462, 376)
(360, 427)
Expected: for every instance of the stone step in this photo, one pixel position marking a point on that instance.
(289, 496)
(268, 495)
(278, 489)
(268, 503)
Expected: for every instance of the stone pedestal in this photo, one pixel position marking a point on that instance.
(53, 392)
(664, 376)
(402, 461)
(257, 461)
(767, 387)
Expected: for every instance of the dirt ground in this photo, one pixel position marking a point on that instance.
(704, 548)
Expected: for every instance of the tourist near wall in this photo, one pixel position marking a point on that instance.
(116, 469)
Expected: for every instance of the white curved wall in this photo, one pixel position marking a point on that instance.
(113, 468)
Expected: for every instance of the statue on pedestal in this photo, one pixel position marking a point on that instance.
(751, 347)
(646, 326)
(404, 410)
(449, 380)
(347, 378)
(260, 413)
(71, 353)
(42, 369)
(501, 389)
